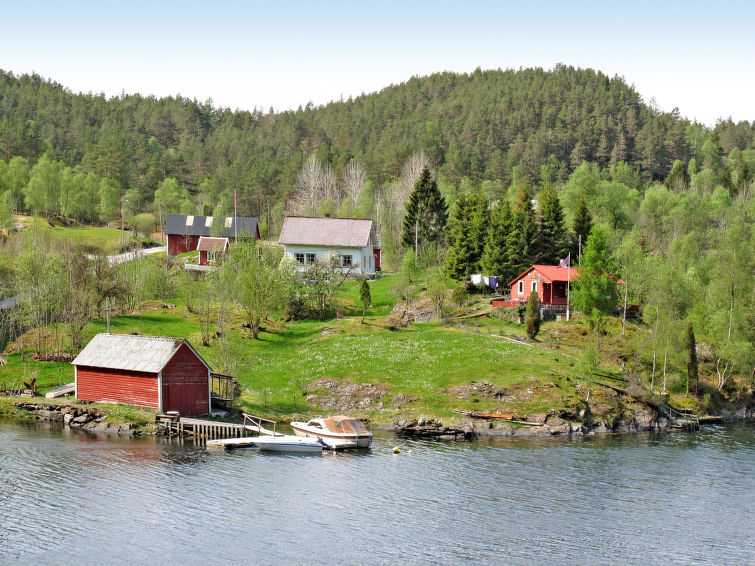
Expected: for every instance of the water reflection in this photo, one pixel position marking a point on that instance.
(609, 499)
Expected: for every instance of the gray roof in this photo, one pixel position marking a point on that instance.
(134, 353)
(331, 232)
(187, 225)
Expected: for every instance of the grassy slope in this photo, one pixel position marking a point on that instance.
(419, 362)
(106, 239)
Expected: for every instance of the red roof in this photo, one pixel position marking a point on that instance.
(208, 244)
(551, 273)
(330, 232)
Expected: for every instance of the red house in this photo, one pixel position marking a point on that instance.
(548, 281)
(165, 374)
(211, 250)
(184, 230)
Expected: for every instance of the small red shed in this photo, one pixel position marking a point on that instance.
(211, 250)
(548, 281)
(165, 374)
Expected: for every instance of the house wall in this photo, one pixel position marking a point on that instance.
(104, 384)
(528, 279)
(203, 258)
(186, 384)
(362, 258)
(178, 244)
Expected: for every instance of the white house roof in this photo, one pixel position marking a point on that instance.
(331, 232)
(134, 353)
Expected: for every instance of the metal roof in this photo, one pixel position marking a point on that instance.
(331, 232)
(128, 352)
(552, 273)
(188, 225)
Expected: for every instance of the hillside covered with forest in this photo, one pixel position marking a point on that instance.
(487, 126)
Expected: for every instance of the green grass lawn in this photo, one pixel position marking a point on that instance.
(106, 239)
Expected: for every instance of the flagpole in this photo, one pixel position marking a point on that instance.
(235, 219)
(568, 283)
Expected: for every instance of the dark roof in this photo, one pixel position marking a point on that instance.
(128, 352)
(331, 232)
(178, 225)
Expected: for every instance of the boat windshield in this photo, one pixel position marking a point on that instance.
(345, 425)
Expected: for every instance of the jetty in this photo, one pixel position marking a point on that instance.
(218, 433)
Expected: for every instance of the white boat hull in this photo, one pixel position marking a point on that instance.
(288, 444)
(334, 440)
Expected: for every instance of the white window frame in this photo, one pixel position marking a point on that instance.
(533, 287)
(521, 287)
(311, 258)
(299, 257)
(347, 261)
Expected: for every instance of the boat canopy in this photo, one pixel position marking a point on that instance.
(345, 424)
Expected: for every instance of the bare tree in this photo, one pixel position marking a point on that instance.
(410, 173)
(353, 179)
(313, 184)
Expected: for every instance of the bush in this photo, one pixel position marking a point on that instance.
(532, 319)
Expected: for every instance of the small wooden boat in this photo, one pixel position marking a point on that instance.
(336, 432)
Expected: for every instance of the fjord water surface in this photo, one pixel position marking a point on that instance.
(677, 498)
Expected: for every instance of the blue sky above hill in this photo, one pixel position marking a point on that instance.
(692, 55)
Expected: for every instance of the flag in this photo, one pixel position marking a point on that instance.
(565, 262)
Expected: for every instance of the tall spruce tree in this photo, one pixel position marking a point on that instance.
(692, 369)
(494, 255)
(553, 241)
(479, 220)
(522, 237)
(426, 213)
(582, 225)
(459, 254)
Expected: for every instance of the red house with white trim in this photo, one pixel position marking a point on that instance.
(165, 374)
(548, 281)
(185, 230)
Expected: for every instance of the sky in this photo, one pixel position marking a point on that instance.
(695, 56)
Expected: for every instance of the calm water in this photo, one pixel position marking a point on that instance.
(70, 498)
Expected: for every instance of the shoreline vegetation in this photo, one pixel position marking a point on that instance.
(396, 373)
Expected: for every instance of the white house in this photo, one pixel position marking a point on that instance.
(354, 240)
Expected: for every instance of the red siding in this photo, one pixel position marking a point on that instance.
(178, 244)
(376, 253)
(203, 258)
(186, 386)
(132, 387)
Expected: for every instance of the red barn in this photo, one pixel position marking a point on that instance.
(165, 374)
(184, 230)
(548, 281)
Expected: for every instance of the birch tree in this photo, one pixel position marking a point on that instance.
(314, 183)
(353, 179)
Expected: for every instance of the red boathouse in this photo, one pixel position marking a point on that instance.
(165, 374)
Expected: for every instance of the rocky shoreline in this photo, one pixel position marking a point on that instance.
(85, 418)
(646, 419)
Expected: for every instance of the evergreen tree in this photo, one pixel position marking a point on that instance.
(459, 255)
(532, 316)
(364, 296)
(595, 287)
(582, 225)
(553, 242)
(479, 220)
(494, 255)
(678, 179)
(426, 213)
(522, 237)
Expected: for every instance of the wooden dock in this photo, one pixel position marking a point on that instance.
(202, 429)
(247, 442)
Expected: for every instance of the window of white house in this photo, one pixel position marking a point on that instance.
(211, 257)
(534, 286)
(299, 258)
(521, 287)
(346, 260)
(311, 258)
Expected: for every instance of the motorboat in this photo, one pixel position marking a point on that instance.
(336, 432)
(288, 443)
